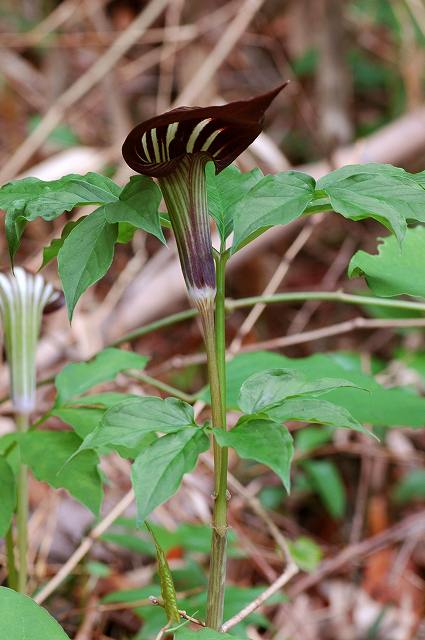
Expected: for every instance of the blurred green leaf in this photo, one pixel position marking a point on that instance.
(78, 377)
(410, 487)
(326, 480)
(305, 553)
(8, 495)
(310, 438)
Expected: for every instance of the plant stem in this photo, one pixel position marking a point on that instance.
(12, 575)
(216, 351)
(22, 510)
(162, 386)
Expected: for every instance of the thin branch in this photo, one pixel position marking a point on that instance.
(279, 274)
(277, 298)
(234, 31)
(286, 576)
(84, 547)
(411, 526)
(335, 329)
(162, 386)
(81, 86)
(183, 614)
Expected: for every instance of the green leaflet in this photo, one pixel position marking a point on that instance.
(273, 386)
(138, 204)
(47, 454)
(326, 480)
(126, 423)
(158, 471)
(30, 198)
(86, 255)
(22, 619)
(274, 200)
(388, 194)
(225, 190)
(394, 270)
(306, 409)
(168, 591)
(263, 440)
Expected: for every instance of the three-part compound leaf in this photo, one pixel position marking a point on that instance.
(158, 471)
(30, 198)
(380, 406)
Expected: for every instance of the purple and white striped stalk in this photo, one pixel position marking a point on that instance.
(174, 148)
(23, 298)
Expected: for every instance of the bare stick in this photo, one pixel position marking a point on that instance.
(81, 86)
(411, 526)
(223, 47)
(273, 284)
(333, 330)
(183, 614)
(84, 547)
(289, 572)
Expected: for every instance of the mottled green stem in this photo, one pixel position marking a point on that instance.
(22, 511)
(12, 575)
(216, 350)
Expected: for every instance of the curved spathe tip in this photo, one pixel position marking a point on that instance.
(221, 133)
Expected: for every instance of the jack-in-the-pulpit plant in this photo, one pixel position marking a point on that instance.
(24, 297)
(265, 391)
(174, 148)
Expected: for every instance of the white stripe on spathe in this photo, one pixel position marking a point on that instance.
(155, 144)
(145, 147)
(171, 133)
(195, 133)
(23, 297)
(208, 142)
